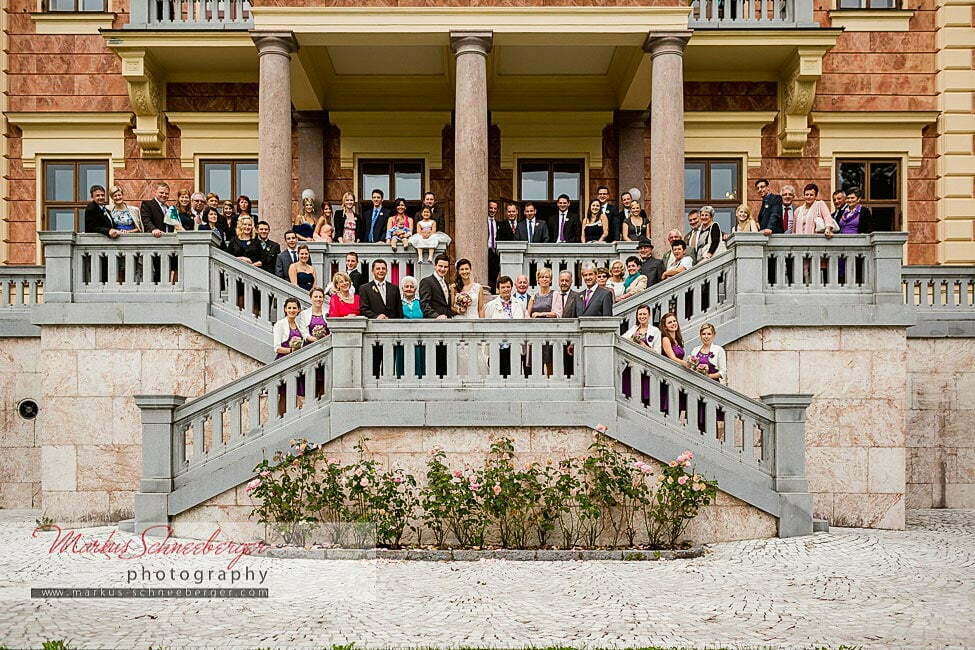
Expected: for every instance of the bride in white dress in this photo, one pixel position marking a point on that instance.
(469, 300)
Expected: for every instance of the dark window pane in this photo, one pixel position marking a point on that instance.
(92, 5)
(724, 181)
(59, 184)
(216, 179)
(851, 174)
(534, 182)
(883, 4)
(60, 5)
(850, 4)
(882, 218)
(694, 181)
(883, 181)
(90, 174)
(567, 179)
(60, 219)
(725, 218)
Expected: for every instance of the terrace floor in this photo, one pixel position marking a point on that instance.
(869, 588)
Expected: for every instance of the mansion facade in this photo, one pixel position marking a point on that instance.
(474, 100)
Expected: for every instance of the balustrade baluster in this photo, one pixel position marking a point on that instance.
(291, 394)
(254, 411)
(235, 437)
(217, 441)
(410, 348)
(748, 440)
(248, 299)
(199, 449)
(494, 369)
(833, 271)
(429, 360)
(214, 16)
(180, 430)
(387, 352)
(451, 377)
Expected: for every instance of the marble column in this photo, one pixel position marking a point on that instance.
(310, 128)
(274, 127)
(471, 148)
(632, 127)
(666, 132)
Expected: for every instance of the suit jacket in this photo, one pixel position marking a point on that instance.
(282, 264)
(379, 231)
(357, 279)
(97, 219)
(432, 300)
(572, 230)
(152, 216)
(600, 304)
(615, 218)
(372, 304)
(270, 258)
(504, 231)
(770, 216)
(540, 234)
(436, 214)
(653, 269)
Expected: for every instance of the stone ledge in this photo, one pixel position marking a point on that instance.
(470, 555)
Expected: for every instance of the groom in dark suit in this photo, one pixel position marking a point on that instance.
(97, 217)
(591, 301)
(434, 292)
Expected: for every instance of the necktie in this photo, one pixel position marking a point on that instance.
(531, 228)
(588, 295)
(381, 287)
(790, 227)
(514, 226)
(561, 227)
(294, 257)
(491, 233)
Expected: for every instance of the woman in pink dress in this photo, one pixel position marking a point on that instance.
(343, 302)
(813, 217)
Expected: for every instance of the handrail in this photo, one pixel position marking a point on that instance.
(21, 287)
(939, 288)
(249, 293)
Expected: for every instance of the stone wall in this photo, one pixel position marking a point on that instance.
(940, 431)
(89, 430)
(855, 433)
(725, 520)
(20, 378)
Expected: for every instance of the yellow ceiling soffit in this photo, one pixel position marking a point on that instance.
(82, 135)
(391, 134)
(551, 134)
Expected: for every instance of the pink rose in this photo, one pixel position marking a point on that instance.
(496, 489)
(264, 474)
(253, 485)
(333, 461)
(682, 480)
(601, 428)
(474, 486)
(397, 479)
(364, 482)
(457, 473)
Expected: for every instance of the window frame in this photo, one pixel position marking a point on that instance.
(78, 205)
(697, 204)
(867, 200)
(234, 189)
(547, 206)
(865, 5)
(46, 4)
(365, 193)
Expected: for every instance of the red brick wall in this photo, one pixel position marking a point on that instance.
(730, 96)
(216, 97)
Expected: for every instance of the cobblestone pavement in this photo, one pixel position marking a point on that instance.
(913, 588)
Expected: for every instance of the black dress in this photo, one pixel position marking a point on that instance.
(246, 248)
(593, 231)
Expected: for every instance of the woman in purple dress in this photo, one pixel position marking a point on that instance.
(314, 322)
(672, 346)
(290, 335)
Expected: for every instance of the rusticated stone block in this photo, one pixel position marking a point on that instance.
(836, 469)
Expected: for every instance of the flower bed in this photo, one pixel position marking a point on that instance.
(604, 500)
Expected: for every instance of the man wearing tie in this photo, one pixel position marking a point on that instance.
(380, 299)
(591, 301)
(508, 230)
(770, 216)
(374, 220)
(564, 228)
(788, 210)
(530, 229)
(153, 211)
(287, 257)
(494, 260)
(612, 214)
(434, 293)
(97, 217)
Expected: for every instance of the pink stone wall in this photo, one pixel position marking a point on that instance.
(20, 378)
(855, 426)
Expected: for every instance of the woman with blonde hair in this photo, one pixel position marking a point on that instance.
(125, 217)
(303, 223)
(244, 245)
(347, 221)
(744, 222)
(343, 302)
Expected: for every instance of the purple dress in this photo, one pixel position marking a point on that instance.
(647, 341)
(313, 322)
(706, 359)
(294, 333)
(850, 221)
(665, 389)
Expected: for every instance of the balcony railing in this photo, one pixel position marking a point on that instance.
(190, 14)
(751, 14)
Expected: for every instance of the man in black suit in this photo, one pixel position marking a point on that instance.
(564, 227)
(436, 213)
(612, 214)
(269, 249)
(153, 211)
(650, 266)
(839, 204)
(97, 217)
(287, 257)
(508, 229)
(770, 216)
(434, 292)
(354, 270)
(530, 229)
(373, 224)
(494, 260)
(380, 299)
(591, 301)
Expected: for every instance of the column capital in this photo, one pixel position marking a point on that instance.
(283, 43)
(471, 42)
(658, 43)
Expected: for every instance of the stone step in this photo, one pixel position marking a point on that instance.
(127, 525)
(820, 526)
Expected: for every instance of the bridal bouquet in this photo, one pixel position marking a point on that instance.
(699, 364)
(319, 331)
(295, 343)
(463, 301)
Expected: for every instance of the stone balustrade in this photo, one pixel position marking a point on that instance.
(751, 14)
(943, 297)
(190, 14)
(521, 258)
(328, 259)
(21, 287)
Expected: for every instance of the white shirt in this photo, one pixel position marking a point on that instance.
(560, 235)
(652, 333)
(522, 297)
(495, 309)
(443, 287)
(685, 261)
(381, 287)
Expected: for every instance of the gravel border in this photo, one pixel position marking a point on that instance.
(470, 555)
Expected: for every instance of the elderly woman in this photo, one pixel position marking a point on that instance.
(411, 309)
(813, 217)
(635, 281)
(709, 242)
(343, 302)
(617, 279)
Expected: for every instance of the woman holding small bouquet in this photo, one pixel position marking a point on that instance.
(313, 318)
(646, 335)
(469, 296)
(709, 358)
(290, 335)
